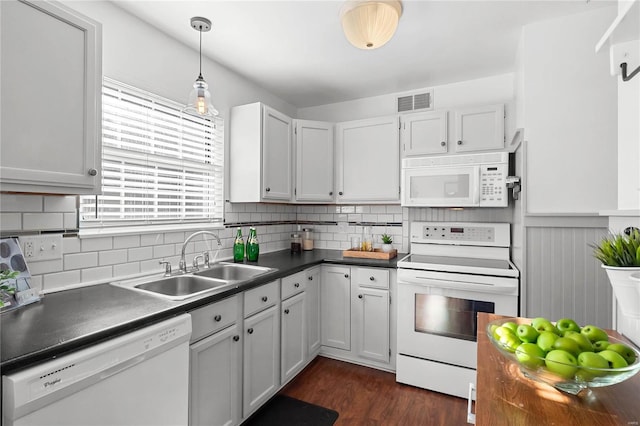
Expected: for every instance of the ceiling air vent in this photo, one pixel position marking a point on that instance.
(422, 101)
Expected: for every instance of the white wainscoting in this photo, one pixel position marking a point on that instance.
(562, 277)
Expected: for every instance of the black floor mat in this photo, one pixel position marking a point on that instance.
(282, 410)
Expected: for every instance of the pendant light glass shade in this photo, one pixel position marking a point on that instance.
(369, 24)
(199, 102)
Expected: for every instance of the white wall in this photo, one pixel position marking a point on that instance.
(569, 114)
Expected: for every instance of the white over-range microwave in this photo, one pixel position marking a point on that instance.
(472, 180)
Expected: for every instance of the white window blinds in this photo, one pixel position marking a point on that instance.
(158, 165)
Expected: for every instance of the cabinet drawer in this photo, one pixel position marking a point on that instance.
(293, 284)
(213, 317)
(373, 277)
(260, 298)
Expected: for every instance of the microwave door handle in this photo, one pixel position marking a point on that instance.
(476, 187)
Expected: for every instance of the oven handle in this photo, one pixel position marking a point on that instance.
(479, 287)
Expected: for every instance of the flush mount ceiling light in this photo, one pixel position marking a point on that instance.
(200, 98)
(369, 24)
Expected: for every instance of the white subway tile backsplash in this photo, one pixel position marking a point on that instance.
(370, 217)
(42, 221)
(348, 209)
(244, 217)
(378, 209)
(112, 257)
(103, 273)
(140, 253)
(385, 218)
(96, 244)
(61, 279)
(394, 209)
(70, 220)
(125, 269)
(11, 221)
(151, 239)
(126, 241)
(354, 217)
(59, 204)
(150, 266)
(36, 282)
(164, 251)
(175, 237)
(45, 266)
(20, 203)
(80, 260)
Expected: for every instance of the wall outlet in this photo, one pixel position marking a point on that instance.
(41, 247)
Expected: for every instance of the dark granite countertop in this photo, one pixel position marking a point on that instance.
(72, 319)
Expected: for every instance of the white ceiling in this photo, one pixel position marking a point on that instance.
(296, 49)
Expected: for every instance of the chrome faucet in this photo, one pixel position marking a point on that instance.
(183, 264)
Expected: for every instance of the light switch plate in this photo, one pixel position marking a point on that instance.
(41, 247)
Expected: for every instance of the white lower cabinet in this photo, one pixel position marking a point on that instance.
(261, 360)
(313, 312)
(335, 307)
(371, 323)
(293, 337)
(215, 369)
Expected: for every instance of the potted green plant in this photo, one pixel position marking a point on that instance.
(620, 257)
(386, 243)
(6, 290)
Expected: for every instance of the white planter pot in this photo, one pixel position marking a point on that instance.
(626, 289)
(386, 248)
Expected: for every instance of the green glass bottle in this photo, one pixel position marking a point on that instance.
(238, 247)
(253, 248)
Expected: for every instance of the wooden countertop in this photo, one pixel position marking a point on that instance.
(505, 397)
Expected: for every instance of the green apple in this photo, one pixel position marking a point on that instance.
(546, 339)
(561, 363)
(511, 326)
(594, 333)
(567, 324)
(530, 355)
(501, 331)
(510, 342)
(527, 333)
(547, 326)
(592, 365)
(567, 344)
(600, 345)
(614, 359)
(582, 341)
(538, 321)
(627, 353)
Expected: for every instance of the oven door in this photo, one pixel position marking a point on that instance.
(441, 186)
(437, 318)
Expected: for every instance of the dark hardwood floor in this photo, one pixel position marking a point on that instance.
(365, 396)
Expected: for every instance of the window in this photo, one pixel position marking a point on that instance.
(158, 165)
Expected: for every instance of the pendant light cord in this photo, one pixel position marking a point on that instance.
(200, 51)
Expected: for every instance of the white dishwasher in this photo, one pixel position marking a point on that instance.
(140, 378)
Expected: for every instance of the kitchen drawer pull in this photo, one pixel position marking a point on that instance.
(92, 172)
(268, 189)
(443, 143)
(346, 275)
(250, 331)
(372, 279)
(459, 142)
(296, 285)
(359, 296)
(340, 193)
(217, 318)
(236, 338)
(286, 311)
(264, 298)
(310, 278)
(331, 193)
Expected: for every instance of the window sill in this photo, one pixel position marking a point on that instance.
(144, 229)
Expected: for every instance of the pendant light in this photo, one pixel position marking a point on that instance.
(369, 24)
(200, 99)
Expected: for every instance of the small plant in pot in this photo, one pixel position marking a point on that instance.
(386, 243)
(620, 257)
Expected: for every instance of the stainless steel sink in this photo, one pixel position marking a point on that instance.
(178, 287)
(233, 272)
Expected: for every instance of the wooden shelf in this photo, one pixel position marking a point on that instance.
(375, 254)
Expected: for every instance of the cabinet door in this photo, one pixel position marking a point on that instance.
(423, 133)
(50, 109)
(368, 162)
(293, 337)
(480, 128)
(313, 311)
(215, 379)
(261, 358)
(371, 315)
(276, 155)
(335, 307)
(314, 161)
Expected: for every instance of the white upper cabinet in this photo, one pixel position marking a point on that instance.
(367, 161)
(50, 80)
(423, 133)
(314, 161)
(260, 154)
(479, 128)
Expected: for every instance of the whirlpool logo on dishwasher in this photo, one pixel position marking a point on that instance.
(52, 383)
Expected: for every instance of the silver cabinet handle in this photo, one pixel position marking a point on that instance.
(217, 318)
(459, 142)
(311, 278)
(92, 172)
(265, 298)
(372, 279)
(296, 285)
(359, 296)
(340, 193)
(346, 275)
(443, 143)
(286, 311)
(268, 189)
